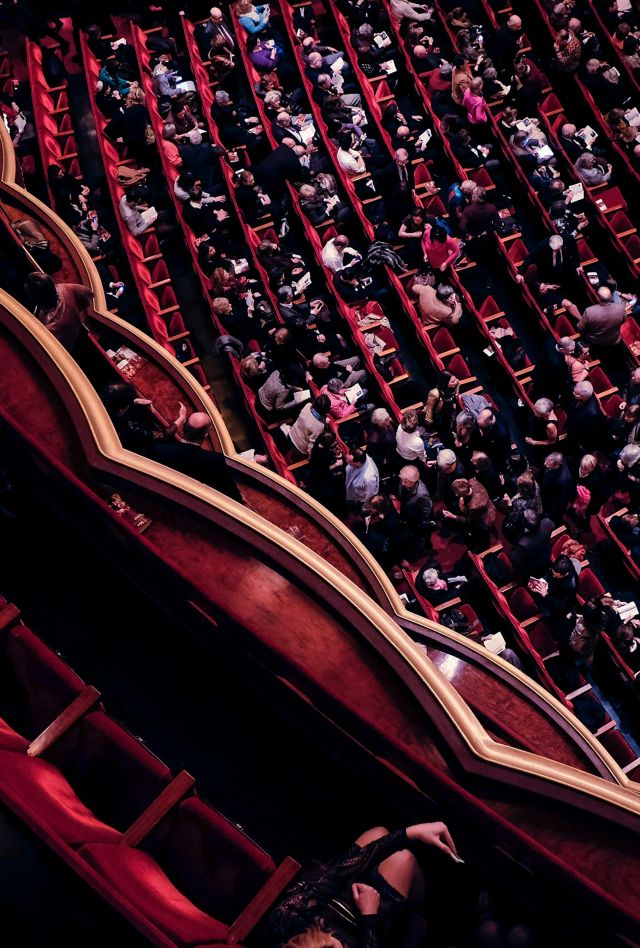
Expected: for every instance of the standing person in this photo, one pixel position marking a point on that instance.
(477, 513)
(61, 307)
(378, 879)
(416, 508)
(310, 424)
(409, 443)
(186, 453)
(362, 478)
(600, 324)
(557, 487)
(440, 249)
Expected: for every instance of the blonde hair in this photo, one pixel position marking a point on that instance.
(242, 6)
(313, 938)
(134, 97)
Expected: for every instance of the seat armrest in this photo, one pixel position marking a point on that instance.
(158, 809)
(263, 900)
(80, 705)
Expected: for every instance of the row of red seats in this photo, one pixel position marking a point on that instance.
(533, 636)
(170, 863)
(391, 390)
(278, 459)
(149, 269)
(54, 123)
(608, 203)
(487, 310)
(581, 92)
(52, 115)
(450, 357)
(253, 234)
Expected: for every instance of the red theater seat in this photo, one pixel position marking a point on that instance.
(142, 883)
(35, 685)
(97, 755)
(43, 796)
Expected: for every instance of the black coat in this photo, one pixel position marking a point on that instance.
(281, 166)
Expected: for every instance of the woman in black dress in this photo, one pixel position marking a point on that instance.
(362, 899)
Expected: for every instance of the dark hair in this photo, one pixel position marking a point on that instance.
(518, 463)
(117, 396)
(563, 566)
(444, 378)
(322, 404)
(345, 139)
(195, 193)
(438, 233)
(458, 60)
(359, 455)
(41, 290)
(54, 171)
(557, 209)
(593, 615)
(186, 180)
(326, 440)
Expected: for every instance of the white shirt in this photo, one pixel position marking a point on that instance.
(333, 257)
(351, 161)
(412, 11)
(362, 483)
(410, 445)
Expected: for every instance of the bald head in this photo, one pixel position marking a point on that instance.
(604, 294)
(514, 23)
(485, 418)
(196, 426)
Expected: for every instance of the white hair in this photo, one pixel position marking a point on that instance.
(379, 416)
(543, 406)
(446, 457)
(584, 389)
(630, 454)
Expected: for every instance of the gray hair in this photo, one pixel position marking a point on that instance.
(584, 389)
(379, 416)
(446, 457)
(543, 406)
(430, 576)
(410, 471)
(566, 344)
(222, 97)
(335, 386)
(555, 457)
(630, 454)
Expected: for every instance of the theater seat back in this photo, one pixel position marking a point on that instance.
(35, 685)
(112, 772)
(216, 866)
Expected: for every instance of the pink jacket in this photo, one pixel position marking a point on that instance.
(340, 407)
(476, 108)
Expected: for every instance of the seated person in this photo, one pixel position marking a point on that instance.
(438, 304)
(550, 270)
(253, 201)
(320, 208)
(378, 874)
(434, 587)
